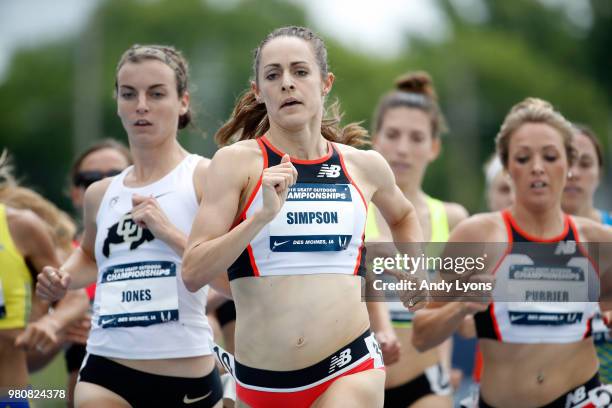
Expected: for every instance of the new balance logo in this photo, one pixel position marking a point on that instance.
(330, 171)
(566, 248)
(341, 360)
(575, 397)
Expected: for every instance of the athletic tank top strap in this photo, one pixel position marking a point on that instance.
(543, 288)
(320, 228)
(606, 217)
(330, 171)
(142, 309)
(519, 235)
(15, 280)
(440, 230)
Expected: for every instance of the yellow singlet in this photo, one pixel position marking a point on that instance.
(15, 281)
(440, 232)
(437, 215)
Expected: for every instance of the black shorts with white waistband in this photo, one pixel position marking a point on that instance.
(434, 381)
(142, 389)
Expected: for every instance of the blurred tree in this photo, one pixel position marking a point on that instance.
(57, 97)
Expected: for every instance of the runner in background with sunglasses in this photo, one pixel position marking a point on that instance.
(106, 158)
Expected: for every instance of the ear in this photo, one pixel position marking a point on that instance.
(436, 148)
(328, 83)
(256, 91)
(185, 103)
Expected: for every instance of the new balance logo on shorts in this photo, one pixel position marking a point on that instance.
(329, 171)
(340, 360)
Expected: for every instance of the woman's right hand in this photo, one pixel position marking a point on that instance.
(275, 184)
(52, 283)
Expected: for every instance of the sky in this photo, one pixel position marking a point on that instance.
(376, 27)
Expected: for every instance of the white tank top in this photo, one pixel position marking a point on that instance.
(320, 228)
(142, 309)
(549, 290)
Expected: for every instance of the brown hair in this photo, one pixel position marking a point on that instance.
(588, 132)
(250, 117)
(58, 223)
(533, 110)
(412, 90)
(101, 145)
(169, 56)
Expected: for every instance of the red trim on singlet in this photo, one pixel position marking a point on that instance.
(478, 365)
(566, 226)
(350, 179)
(298, 399)
(242, 215)
(580, 247)
(299, 161)
(589, 329)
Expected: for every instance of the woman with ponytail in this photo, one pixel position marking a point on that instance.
(285, 218)
(406, 131)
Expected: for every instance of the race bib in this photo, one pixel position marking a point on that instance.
(545, 314)
(324, 208)
(2, 307)
(542, 283)
(138, 294)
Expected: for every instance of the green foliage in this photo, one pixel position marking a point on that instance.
(523, 49)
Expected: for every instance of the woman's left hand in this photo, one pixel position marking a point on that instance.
(147, 213)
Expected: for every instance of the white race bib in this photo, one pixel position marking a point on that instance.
(326, 209)
(138, 294)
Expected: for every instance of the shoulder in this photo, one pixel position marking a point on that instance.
(357, 155)
(93, 196)
(20, 220)
(244, 149)
(201, 167)
(27, 229)
(484, 227)
(235, 164)
(591, 231)
(370, 163)
(455, 213)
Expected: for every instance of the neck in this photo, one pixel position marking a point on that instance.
(306, 143)
(153, 162)
(588, 211)
(544, 223)
(412, 190)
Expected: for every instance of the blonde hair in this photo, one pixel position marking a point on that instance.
(58, 223)
(533, 110)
